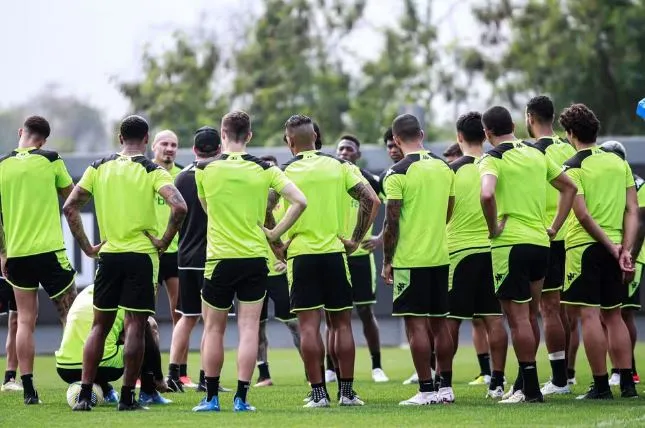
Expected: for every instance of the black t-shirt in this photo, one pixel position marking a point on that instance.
(192, 236)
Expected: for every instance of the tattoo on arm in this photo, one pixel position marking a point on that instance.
(269, 220)
(72, 210)
(178, 210)
(363, 195)
(64, 302)
(391, 230)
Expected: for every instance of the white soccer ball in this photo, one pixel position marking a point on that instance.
(74, 391)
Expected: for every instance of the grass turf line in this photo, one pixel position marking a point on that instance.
(281, 405)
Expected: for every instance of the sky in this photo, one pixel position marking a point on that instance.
(82, 45)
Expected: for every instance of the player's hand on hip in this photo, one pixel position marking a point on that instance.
(370, 244)
(280, 266)
(386, 274)
(551, 232)
(626, 263)
(350, 246)
(93, 251)
(280, 250)
(499, 228)
(3, 265)
(159, 244)
(269, 233)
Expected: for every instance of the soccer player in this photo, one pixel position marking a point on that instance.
(420, 199)
(539, 123)
(278, 292)
(452, 153)
(599, 243)
(362, 269)
(317, 264)
(515, 177)
(32, 250)
(470, 280)
(124, 187)
(233, 189)
(191, 257)
(8, 306)
(632, 300)
(69, 357)
(164, 148)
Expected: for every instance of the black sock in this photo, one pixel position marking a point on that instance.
(242, 389)
(106, 388)
(559, 372)
(484, 364)
(212, 387)
(346, 387)
(496, 379)
(626, 378)
(519, 382)
(173, 371)
(337, 371)
(531, 387)
(433, 360)
(330, 362)
(322, 381)
(446, 379)
(376, 360)
(426, 385)
(148, 383)
(634, 372)
(601, 383)
(318, 391)
(183, 370)
(615, 371)
(127, 394)
(571, 373)
(9, 375)
(202, 377)
(263, 368)
(437, 381)
(86, 392)
(28, 385)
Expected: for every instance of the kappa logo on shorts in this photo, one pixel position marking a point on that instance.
(499, 278)
(400, 287)
(571, 276)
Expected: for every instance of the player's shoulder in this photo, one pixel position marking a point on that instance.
(9, 155)
(576, 161)
(638, 182)
(202, 165)
(499, 151)
(457, 164)
(50, 155)
(146, 163)
(403, 166)
(187, 171)
(329, 160)
(257, 161)
(103, 161)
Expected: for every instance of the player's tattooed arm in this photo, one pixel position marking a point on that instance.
(64, 302)
(368, 208)
(269, 219)
(178, 210)
(64, 192)
(72, 210)
(391, 229)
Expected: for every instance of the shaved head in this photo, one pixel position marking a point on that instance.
(300, 133)
(164, 135)
(164, 147)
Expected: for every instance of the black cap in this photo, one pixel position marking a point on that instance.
(207, 139)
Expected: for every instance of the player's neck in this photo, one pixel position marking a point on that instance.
(28, 144)
(582, 146)
(412, 147)
(234, 147)
(305, 148)
(474, 150)
(503, 139)
(133, 149)
(543, 131)
(167, 165)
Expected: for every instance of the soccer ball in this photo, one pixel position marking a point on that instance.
(74, 391)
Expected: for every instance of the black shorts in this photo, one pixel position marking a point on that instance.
(470, 285)
(127, 281)
(167, 267)
(7, 299)
(191, 282)
(103, 375)
(593, 278)
(225, 279)
(52, 270)
(555, 271)
(278, 292)
(420, 292)
(319, 281)
(363, 274)
(633, 299)
(515, 267)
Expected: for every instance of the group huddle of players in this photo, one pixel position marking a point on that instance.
(549, 226)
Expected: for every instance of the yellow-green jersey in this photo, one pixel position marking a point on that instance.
(235, 186)
(559, 151)
(523, 174)
(640, 189)
(278, 214)
(325, 181)
(79, 323)
(424, 183)
(125, 192)
(163, 213)
(29, 183)
(467, 228)
(353, 206)
(602, 179)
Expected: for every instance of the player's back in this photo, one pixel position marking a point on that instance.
(603, 179)
(523, 174)
(324, 180)
(236, 187)
(29, 179)
(467, 227)
(192, 235)
(424, 183)
(125, 191)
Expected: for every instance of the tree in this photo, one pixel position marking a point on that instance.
(585, 51)
(178, 89)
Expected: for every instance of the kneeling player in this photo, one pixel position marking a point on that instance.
(69, 357)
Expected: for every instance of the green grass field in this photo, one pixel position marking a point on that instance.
(281, 405)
